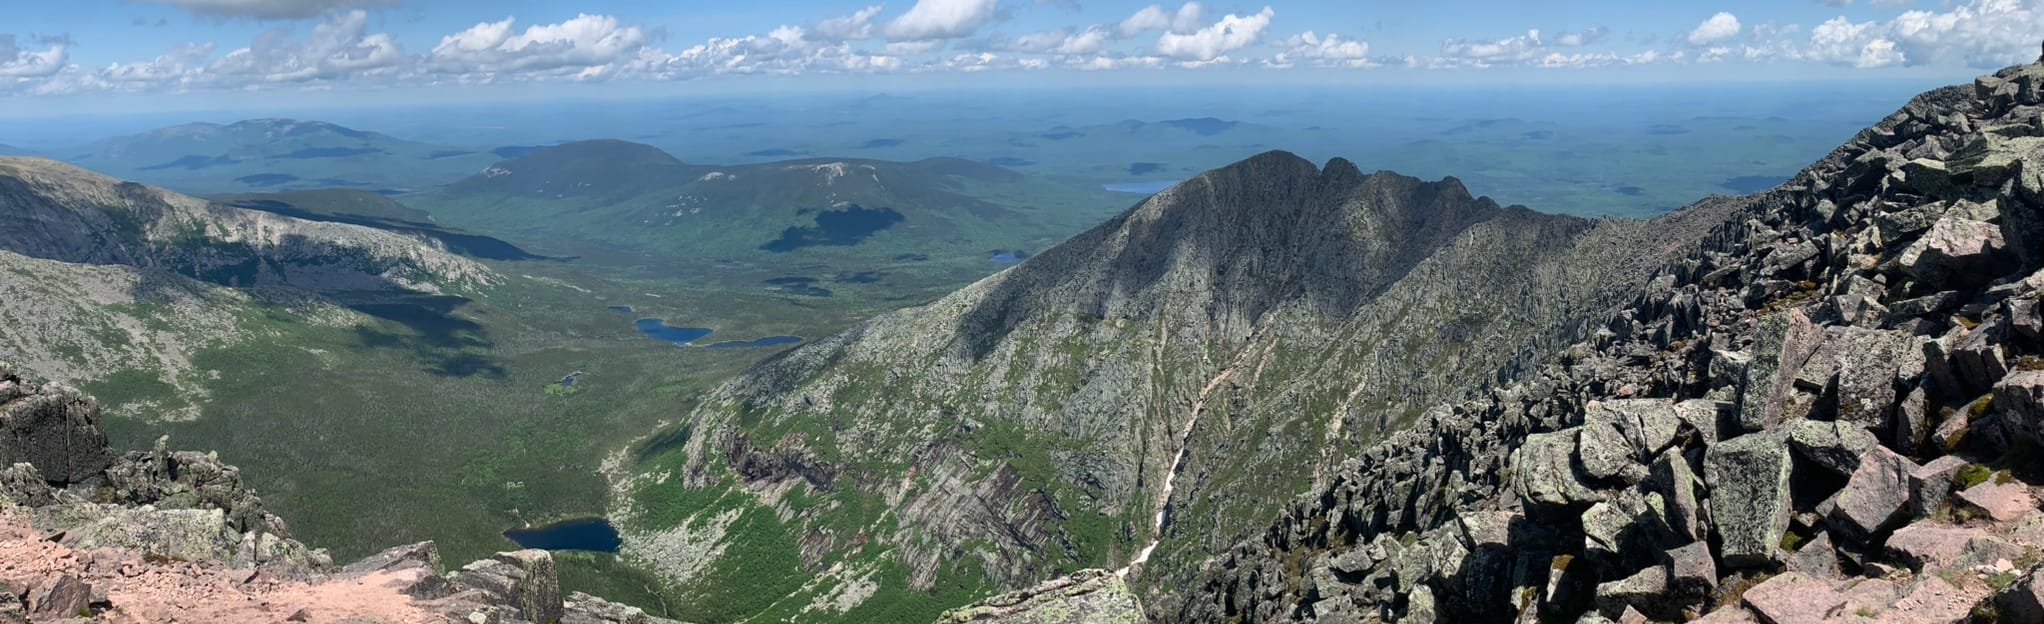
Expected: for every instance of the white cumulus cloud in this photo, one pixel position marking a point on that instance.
(1718, 28)
(1188, 18)
(1982, 34)
(1232, 33)
(1329, 50)
(578, 44)
(942, 19)
(858, 25)
(18, 63)
(341, 47)
(1060, 41)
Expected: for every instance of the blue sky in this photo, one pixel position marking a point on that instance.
(155, 53)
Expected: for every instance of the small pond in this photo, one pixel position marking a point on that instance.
(1009, 256)
(594, 534)
(687, 336)
(660, 330)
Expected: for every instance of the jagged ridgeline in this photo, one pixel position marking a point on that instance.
(1264, 320)
(1829, 411)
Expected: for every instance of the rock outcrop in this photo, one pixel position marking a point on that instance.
(1850, 360)
(1087, 597)
(164, 535)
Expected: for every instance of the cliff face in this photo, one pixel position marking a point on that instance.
(1209, 350)
(166, 535)
(1826, 411)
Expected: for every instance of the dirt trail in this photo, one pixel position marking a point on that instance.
(158, 591)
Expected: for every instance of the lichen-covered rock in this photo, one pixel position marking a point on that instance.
(524, 581)
(52, 428)
(181, 534)
(1749, 497)
(1836, 446)
(581, 608)
(1783, 343)
(1547, 473)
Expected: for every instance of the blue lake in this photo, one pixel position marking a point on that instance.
(660, 330)
(595, 534)
(686, 336)
(1145, 188)
(1008, 256)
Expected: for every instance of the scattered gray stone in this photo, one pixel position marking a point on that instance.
(1817, 558)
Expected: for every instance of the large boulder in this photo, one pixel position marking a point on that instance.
(1876, 497)
(1956, 252)
(1544, 471)
(1791, 598)
(2020, 397)
(1782, 344)
(1833, 445)
(1870, 363)
(525, 581)
(181, 534)
(2023, 600)
(1749, 497)
(54, 428)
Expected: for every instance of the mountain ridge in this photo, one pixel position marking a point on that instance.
(1060, 385)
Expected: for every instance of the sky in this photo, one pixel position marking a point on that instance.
(62, 55)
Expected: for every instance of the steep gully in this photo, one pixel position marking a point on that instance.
(1171, 476)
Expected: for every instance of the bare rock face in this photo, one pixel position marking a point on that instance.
(1085, 597)
(1853, 358)
(55, 211)
(524, 581)
(54, 429)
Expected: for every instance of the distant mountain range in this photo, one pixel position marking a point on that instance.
(269, 154)
(618, 193)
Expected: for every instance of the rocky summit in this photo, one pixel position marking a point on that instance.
(1826, 411)
(164, 536)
